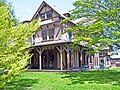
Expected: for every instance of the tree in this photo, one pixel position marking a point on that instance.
(14, 37)
(98, 23)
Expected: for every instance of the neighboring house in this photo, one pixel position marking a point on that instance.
(115, 60)
(104, 57)
(51, 48)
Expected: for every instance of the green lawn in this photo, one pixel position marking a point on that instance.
(92, 80)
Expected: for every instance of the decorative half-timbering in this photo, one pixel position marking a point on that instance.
(52, 49)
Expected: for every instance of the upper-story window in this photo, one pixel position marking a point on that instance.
(51, 34)
(48, 34)
(49, 14)
(42, 16)
(44, 35)
(46, 15)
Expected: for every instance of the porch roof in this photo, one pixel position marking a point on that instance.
(52, 43)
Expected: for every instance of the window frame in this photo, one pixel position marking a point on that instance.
(42, 16)
(44, 35)
(51, 33)
(49, 14)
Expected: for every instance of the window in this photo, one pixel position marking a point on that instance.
(48, 33)
(69, 35)
(51, 33)
(42, 16)
(44, 34)
(49, 14)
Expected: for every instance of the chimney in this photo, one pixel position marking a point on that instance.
(67, 14)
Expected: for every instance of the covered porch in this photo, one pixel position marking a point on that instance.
(58, 57)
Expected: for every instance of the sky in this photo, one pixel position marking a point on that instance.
(25, 9)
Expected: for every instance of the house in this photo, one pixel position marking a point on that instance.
(103, 58)
(115, 59)
(52, 49)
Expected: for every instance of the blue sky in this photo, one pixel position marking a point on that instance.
(24, 9)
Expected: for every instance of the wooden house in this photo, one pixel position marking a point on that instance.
(51, 48)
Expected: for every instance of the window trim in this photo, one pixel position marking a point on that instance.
(44, 37)
(51, 35)
(42, 18)
(49, 13)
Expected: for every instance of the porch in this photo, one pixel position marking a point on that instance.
(58, 57)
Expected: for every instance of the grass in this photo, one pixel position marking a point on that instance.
(92, 80)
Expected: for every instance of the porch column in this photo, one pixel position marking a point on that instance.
(104, 61)
(98, 61)
(68, 60)
(61, 66)
(40, 50)
(61, 49)
(40, 66)
(72, 57)
(93, 60)
(68, 56)
(88, 61)
(80, 51)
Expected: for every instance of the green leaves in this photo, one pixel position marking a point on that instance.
(98, 23)
(13, 44)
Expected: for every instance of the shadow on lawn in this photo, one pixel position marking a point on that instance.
(98, 77)
(22, 84)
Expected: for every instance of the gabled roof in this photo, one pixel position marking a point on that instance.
(52, 7)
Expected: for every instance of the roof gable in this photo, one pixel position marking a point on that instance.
(41, 7)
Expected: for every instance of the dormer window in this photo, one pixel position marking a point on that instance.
(42, 16)
(49, 14)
